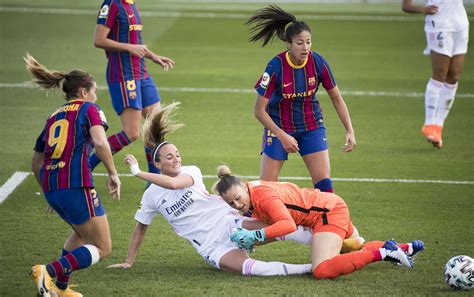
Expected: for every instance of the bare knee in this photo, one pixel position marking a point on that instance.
(105, 250)
(132, 133)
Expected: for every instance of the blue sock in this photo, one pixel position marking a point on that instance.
(151, 163)
(325, 185)
(77, 259)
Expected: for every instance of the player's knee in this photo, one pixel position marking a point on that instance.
(325, 185)
(324, 271)
(105, 250)
(132, 133)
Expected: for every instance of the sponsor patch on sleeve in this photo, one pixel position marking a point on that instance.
(104, 11)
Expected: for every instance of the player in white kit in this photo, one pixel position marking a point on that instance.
(447, 35)
(205, 220)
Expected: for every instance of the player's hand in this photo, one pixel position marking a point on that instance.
(129, 160)
(430, 9)
(246, 238)
(164, 62)
(138, 50)
(289, 143)
(113, 184)
(350, 143)
(124, 265)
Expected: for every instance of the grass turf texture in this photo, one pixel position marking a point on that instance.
(213, 53)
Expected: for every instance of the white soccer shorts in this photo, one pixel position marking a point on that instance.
(447, 43)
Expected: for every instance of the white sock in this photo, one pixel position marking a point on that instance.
(446, 100)
(94, 253)
(256, 267)
(301, 235)
(433, 89)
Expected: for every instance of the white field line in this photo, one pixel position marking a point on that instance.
(251, 91)
(14, 181)
(19, 176)
(173, 14)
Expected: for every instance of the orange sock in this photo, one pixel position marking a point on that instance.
(375, 245)
(345, 264)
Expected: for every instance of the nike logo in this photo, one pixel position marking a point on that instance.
(324, 138)
(130, 15)
(286, 85)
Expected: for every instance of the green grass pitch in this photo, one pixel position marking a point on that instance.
(366, 55)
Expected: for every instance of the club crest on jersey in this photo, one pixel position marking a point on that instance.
(265, 80)
(311, 81)
(104, 11)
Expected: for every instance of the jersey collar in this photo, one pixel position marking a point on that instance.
(287, 56)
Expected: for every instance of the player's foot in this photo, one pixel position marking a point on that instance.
(352, 244)
(393, 253)
(42, 279)
(439, 131)
(57, 292)
(416, 247)
(431, 135)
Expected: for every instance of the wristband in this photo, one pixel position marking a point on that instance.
(135, 169)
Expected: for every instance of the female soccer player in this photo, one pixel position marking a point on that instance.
(205, 220)
(284, 205)
(61, 168)
(133, 91)
(447, 36)
(287, 105)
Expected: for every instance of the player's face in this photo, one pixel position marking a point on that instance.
(300, 47)
(238, 197)
(170, 160)
(90, 95)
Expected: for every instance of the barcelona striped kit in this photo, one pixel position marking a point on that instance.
(66, 143)
(291, 91)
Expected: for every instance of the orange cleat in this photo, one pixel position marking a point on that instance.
(57, 292)
(42, 280)
(431, 135)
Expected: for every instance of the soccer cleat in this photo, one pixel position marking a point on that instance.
(352, 244)
(416, 247)
(393, 253)
(439, 131)
(57, 292)
(42, 279)
(431, 135)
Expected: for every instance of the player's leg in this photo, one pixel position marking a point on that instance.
(439, 70)
(448, 91)
(273, 157)
(150, 101)
(301, 235)
(314, 150)
(237, 260)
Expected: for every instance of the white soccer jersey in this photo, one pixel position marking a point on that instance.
(194, 214)
(451, 16)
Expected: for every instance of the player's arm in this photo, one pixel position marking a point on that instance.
(289, 143)
(343, 113)
(165, 62)
(102, 41)
(168, 182)
(279, 214)
(104, 153)
(135, 242)
(36, 163)
(409, 7)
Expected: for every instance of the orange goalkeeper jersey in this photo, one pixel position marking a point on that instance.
(284, 205)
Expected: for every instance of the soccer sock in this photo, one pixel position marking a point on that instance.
(446, 100)
(345, 264)
(151, 163)
(325, 185)
(376, 245)
(62, 280)
(256, 267)
(117, 142)
(433, 89)
(80, 258)
(301, 235)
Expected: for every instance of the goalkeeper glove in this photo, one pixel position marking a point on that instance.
(246, 238)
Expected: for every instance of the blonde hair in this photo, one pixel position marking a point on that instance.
(46, 79)
(158, 124)
(226, 180)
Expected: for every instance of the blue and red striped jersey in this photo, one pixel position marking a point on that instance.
(67, 143)
(125, 24)
(291, 91)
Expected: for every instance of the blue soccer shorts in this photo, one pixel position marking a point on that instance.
(136, 94)
(308, 142)
(77, 205)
